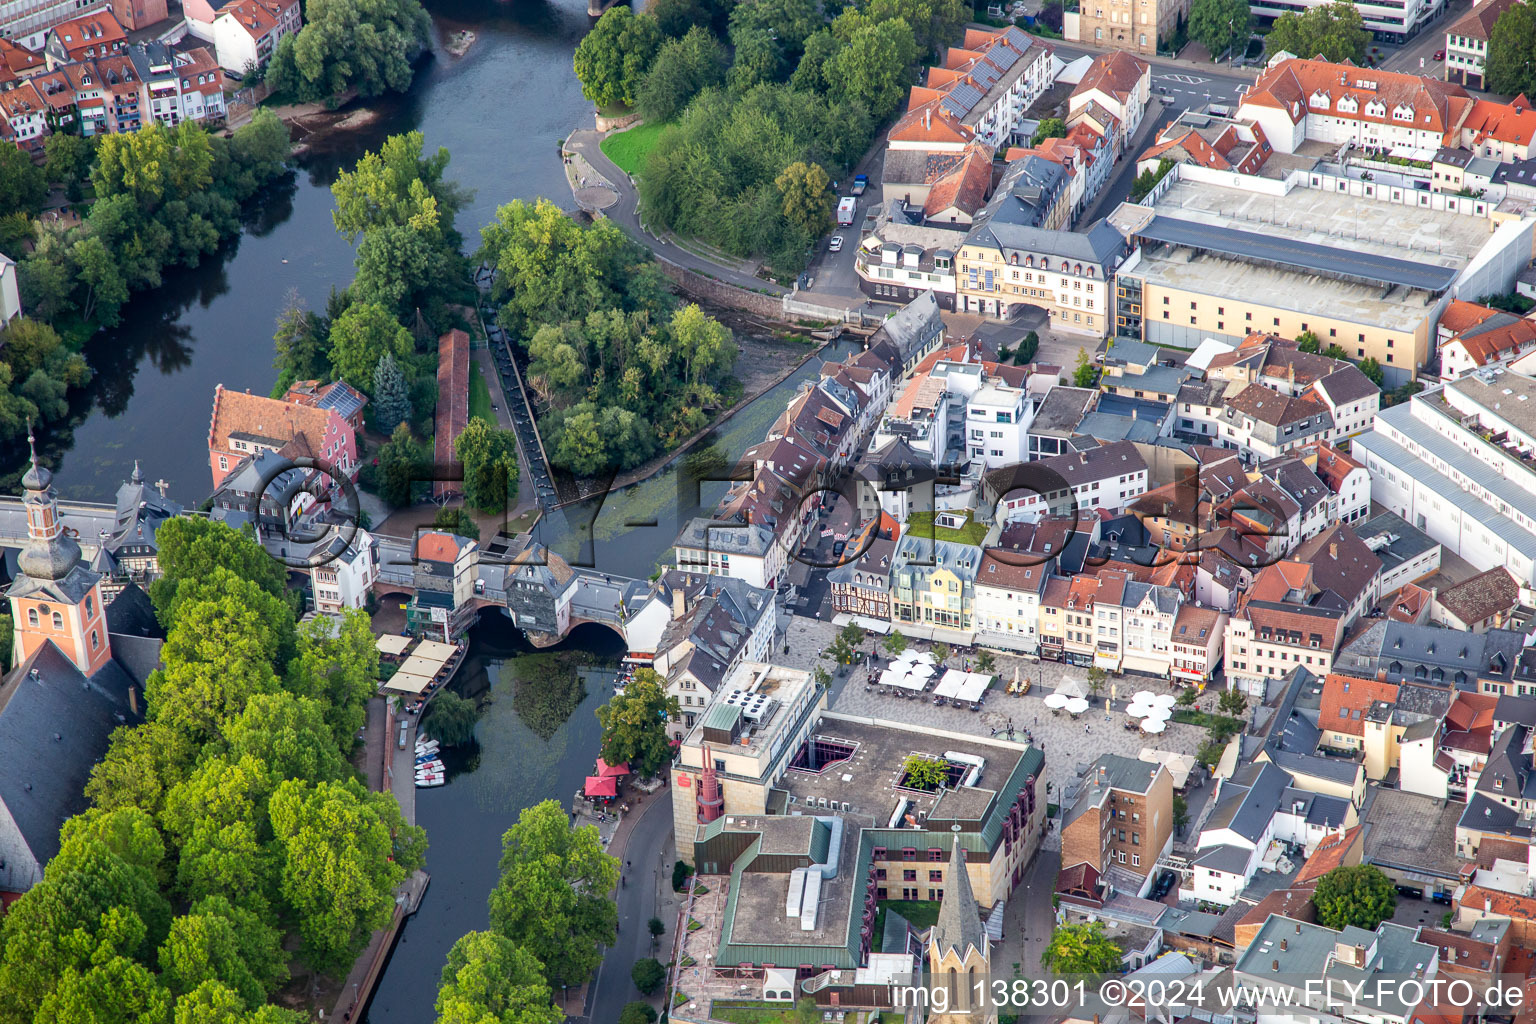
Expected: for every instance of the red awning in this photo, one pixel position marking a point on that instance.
(601, 785)
(605, 770)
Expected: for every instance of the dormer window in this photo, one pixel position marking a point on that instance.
(1319, 100)
(1375, 108)
(1402, 112)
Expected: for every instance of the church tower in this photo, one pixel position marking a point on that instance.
(55, 597)
(959, 957)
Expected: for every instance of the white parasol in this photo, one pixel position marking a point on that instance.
(1166, 700)
(1144, 697)
(920, 671)
(1154, 725)
(1056, 700)
(1077, 705)
(1138, 711)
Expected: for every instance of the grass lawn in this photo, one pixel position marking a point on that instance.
(919, 914)
(764, 1013)
(480, 395)
(920, 523)
(628, 149)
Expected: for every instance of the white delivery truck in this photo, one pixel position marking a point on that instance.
(846, 207)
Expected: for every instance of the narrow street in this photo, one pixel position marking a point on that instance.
(646, 856)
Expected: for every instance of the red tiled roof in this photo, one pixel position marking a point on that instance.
(1513, 122)
(1481, 597)
(1346, 699)
(98, 28)
(1329, 853)
(965, 186)
(1290, 85)
(452, 400)
(1115, 74)
(1478, 23)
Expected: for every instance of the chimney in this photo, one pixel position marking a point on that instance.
(679, 600)
(133, 699)
(1274, 965)
(1333, 549)
(1284, 945)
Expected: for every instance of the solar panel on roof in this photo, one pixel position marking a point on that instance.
(966, 95)
(344, 401)
(1017, 37)
(1004, 57)
(986, 74)
(954, 106)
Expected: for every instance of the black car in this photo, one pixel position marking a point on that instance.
(1164, 885)
(837, 548)
(1410, 891)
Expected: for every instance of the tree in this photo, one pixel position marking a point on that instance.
(397, 185)
(450, 719)
(807, 194)
(1210, 753)
(362, 336)
(679, 876)
(1180, 811)
(839, 650)
(985, 662)
(853, 635)
(1187, 697)
(1360, 895)
(1147, 180)
(1219, 25)
(1306, 341)
(391, 394)
(489, 979)
(1085, 373)
(655, 925)
(1334, 31)
(895, 643)
(1372, 369)
(1233, 702)
(1510, 67)
(1081, 949)
(872, 68)
(338, 666)
(648, 975)
(23, 186)
(925, 773)
(69, 161)
(612, 59)
(941, 652)
(1097, 677)
(367, 45)
(303, 343)
(290, 735)
(1050, 128)
(7, 624)
(402, 461)
(192, 548)
(399, 268)
(343, 851)
(637, 1013)
(635, 725)
(1025, 353)
(554, 898)
(489, 457)
(683, 68)
(1335, 351)
(456, 520)
(206, 946)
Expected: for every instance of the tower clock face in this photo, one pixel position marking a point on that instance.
(43, 609)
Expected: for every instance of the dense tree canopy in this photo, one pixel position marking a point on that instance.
(1219, 25)
(683, 68)
(635, 725)
(1334, 30)
(1081, 949)
(163, 196)
(1510, 67)
(612, 59)
(491, 980)
(23, 186)
(366, 45)
(555, 894)
(489, 458)
(1360, 895)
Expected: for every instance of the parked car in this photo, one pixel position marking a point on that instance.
(838, 547)
(836, 244)
(1442, 897)
(1412, 891)
(1164, 884)
(860, 183)
(1439, 55)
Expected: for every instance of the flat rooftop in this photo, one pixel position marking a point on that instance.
(1412, 832)
(1322, 258)
(1354, 225)
(1500, 392)
(760, 918)
(1182, 269)
(867, 778)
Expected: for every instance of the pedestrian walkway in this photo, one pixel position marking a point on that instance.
(586, 144)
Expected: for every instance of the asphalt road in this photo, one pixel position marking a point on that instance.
(649, 850)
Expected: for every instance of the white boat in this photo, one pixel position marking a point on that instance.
(430, 775)
(429, 783)
(429, 747)
(430, 766)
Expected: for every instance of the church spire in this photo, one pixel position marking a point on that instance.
(959, 925)
(50, 553)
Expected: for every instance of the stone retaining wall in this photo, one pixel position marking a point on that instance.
(706, 289)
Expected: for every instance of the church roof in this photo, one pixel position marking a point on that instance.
(959, 925)
(54, 727)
